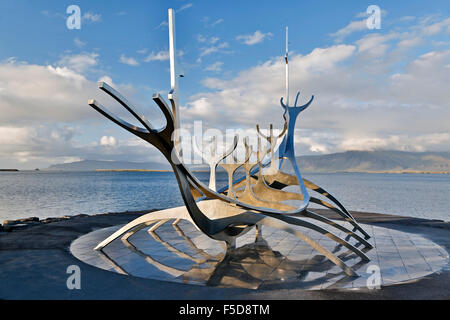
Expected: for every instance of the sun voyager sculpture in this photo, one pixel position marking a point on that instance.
(256, 199)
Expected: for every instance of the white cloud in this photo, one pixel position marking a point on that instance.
(257, 37)
(261, 86)
(31, 146)
(215, 48)
(435, 28)
(407, 18)
(13, 135)
(402, 108)
(218, 21)
(184, 7)
(79, 43)
(409, 43)
(425, 81)
(364, 14)
(49, 14)
(128, 60)
(164, 23)
(92, 17)
(79, 62)
(158, 56)
(43, 93)
(108, 141)
(213, 40)
(412, 143)
(375, 46)
(352, 27)
(45, 111)
(208, 24)
(162, 55)
(201, 38)
(215, 67)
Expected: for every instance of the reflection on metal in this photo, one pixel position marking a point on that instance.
(250, 266)
(161, 266)
(193, 246)
(111, 262)
(253, 200)
(213, 158)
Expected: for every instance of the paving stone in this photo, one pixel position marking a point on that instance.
(282, 261)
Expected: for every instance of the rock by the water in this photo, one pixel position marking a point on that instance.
(31, 219)
(50, 220)
(11, 227)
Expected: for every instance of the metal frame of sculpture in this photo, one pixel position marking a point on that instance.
(253, 200)
(258, 261)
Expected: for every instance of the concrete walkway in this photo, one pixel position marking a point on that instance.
(34, 260)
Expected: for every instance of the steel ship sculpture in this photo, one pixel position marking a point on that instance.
(257, 198)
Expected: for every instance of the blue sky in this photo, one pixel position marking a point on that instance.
(365, 81)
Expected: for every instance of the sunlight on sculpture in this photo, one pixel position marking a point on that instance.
(254, 199)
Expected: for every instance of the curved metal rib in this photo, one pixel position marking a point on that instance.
(285, 227)
(165, 268)
(194, 247)
(281, 180)
(214, 158)
(326, 194)
(111, 116)
(170, 121)
(252, 219)
(126, 104)
(145, 221)
(313, 215)
(174, 250)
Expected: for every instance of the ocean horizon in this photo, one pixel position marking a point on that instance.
(46, 194)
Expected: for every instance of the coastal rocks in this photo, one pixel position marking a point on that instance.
(23, 220)
(50, 220)
(9, 225)
(16, 226)
(12, 225)
(81, 215)
(29, 220)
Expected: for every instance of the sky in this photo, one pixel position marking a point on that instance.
(386, 88)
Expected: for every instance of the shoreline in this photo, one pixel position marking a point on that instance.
(343, 171)
(131, 170)
(381, 171)
(10, 225)
(386, 171)
(169, 170)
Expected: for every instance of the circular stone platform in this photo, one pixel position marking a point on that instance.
(278, 261)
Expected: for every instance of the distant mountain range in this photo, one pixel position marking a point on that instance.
(376, 161)
(92, 165)
(350, 161)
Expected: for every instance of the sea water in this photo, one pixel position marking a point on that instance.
(53, 194)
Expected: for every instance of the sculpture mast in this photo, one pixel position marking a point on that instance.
(287, 69)
(173, 94)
